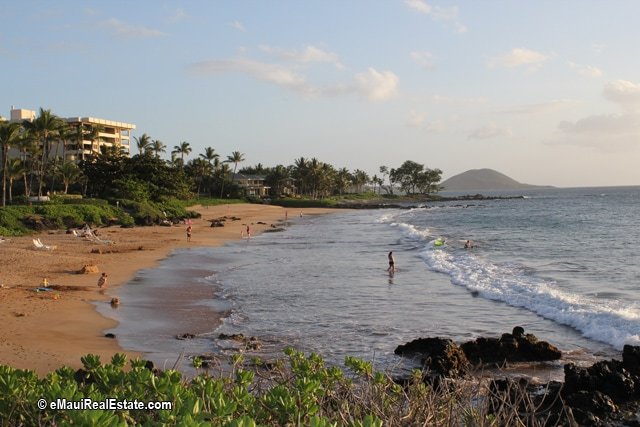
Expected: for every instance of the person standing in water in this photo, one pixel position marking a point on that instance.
(189, 233)
(392, 263)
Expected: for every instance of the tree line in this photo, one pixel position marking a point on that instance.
(112, 172)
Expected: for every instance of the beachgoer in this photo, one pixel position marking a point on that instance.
(468, 244)
(102, 281)
(392, 263)
(189, 233)
(248, 232)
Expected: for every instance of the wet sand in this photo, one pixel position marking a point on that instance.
(45, 330)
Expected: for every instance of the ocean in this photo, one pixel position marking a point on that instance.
(561, 263)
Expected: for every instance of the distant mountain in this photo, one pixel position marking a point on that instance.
(484, 180)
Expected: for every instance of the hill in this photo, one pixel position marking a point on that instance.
(484, 180)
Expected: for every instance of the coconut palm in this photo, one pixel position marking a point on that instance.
(209, 154)
(9, 137)
(235, 158)
(158, 147)
(143, 143)
(44, 129)
(182, 149)
(70, 173)
(15, 169)
(223, 171)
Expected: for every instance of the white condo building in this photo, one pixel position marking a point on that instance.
(109, 133)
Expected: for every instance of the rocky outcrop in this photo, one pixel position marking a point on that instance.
(514, 347)
(439, 355)
(446, 358)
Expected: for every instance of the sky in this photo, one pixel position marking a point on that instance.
(546, 92)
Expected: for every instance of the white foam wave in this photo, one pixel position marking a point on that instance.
(611, 321)
(412, 231)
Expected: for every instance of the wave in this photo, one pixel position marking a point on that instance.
(615, 322)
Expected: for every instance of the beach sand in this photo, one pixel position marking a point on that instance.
(45, 330)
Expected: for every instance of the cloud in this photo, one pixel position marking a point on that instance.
(585, 70)
(519, 57)
(238, 26)
(309, 54)
(624, 93)
(490, 131)
(371, 85)
(272, 73)
(607, 132)
(376, 86)
(424, 59)
(541, 108)
(125, 30)
(448, 15)
(458, 102)
(416, 119)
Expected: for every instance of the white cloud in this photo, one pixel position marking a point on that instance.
(424, 59)
(585, 70)
(624, 93)
(448, 15)
(122, 29)
(490, 131)
(237, 25)
(519, 57)
(371, 85)
(376, 86)
(606, 132)
(416, 119)
(458, 102)
(418, 5)
(272, 73)
(309, 54)
(542, 108)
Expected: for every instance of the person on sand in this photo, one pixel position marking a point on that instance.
(392, 263)
(102, 281)
(248, 232)
(189, 233)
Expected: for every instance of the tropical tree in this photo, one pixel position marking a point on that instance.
(223, 171)
(43, 129)
(15, 169)
(158, 147)
(9, 137)
(183, 149)
(343, 178)
(360, 178)
(66, 135)
(277, 178)
(200, 169)
(384, 170)
(70, 173)
(143, 143)
(235, 158)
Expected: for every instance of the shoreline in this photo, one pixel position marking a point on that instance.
(43, 331)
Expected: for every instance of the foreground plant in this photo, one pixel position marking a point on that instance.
(297, 390)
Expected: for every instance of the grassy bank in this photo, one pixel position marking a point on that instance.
(64, 213)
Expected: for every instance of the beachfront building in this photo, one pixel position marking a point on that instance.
(252, 185)
(90, 134)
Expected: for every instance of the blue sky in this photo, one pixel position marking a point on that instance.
(547, 92)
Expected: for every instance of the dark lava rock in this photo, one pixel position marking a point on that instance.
(441, 356)
(185, 336)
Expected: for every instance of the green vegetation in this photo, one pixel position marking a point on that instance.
(296, 390)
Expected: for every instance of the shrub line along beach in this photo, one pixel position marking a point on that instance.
(44, 330)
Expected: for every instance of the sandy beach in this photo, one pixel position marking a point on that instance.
(43, 330)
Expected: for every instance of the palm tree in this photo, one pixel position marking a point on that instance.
(158, 147)
(66, 134)
(223, 170)
(70, 173)
(209, 154)
(182, 149)
(360, 178)
(143, 143)
(343, 178)
(235, 158)
(14, 170)
(44, 128)
(9, 136)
